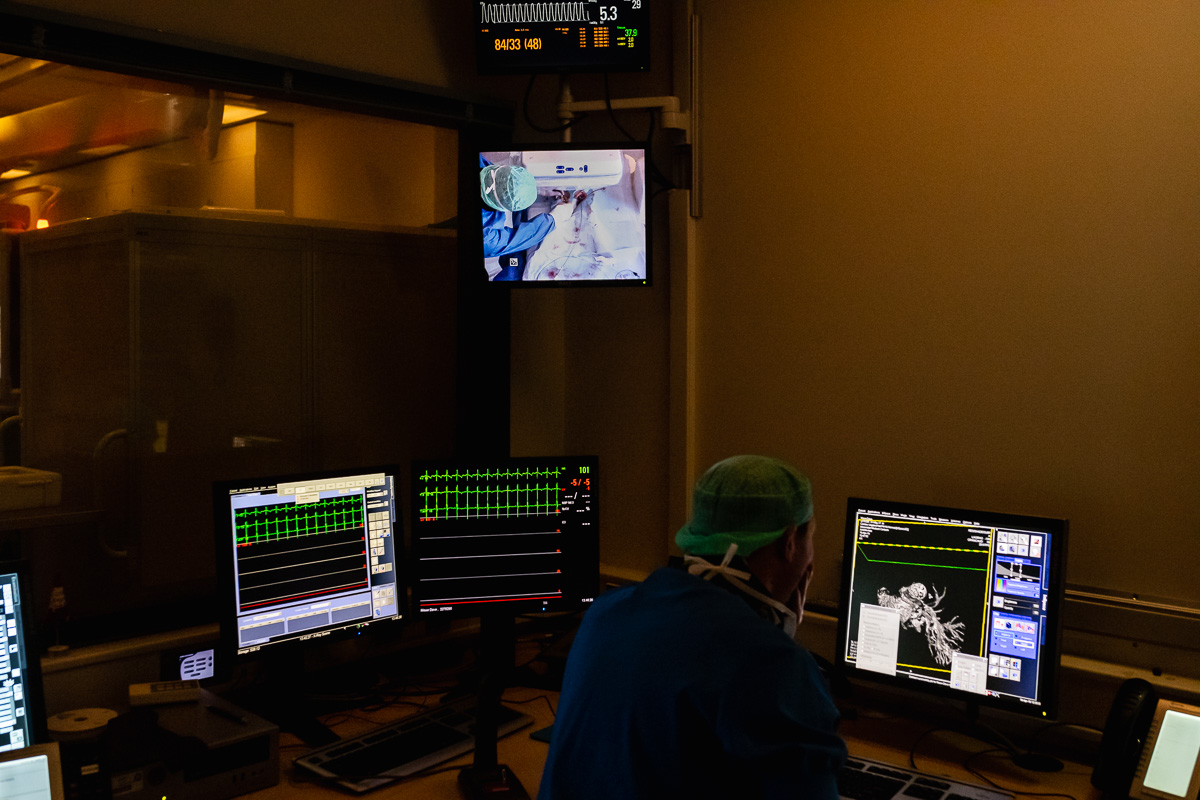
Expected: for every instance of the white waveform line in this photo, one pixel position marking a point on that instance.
(532, 12)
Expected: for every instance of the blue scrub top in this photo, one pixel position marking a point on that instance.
(676, 687)
(501, 240)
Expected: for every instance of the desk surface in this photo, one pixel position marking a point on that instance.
(883, 737)
(524, 756)
(940, 751)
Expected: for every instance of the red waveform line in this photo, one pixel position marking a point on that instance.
(301, 596)
(496, 600)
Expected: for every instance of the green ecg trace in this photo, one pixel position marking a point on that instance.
(288, 521)
(918, 563)
(487, 474)
(499, 501)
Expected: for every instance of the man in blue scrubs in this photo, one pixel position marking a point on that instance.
(691, 684)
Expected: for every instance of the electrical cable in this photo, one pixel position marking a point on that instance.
(967, 766)
(655, 172)
(544, 697)
(529, 120)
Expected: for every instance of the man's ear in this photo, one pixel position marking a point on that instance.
(789, 542)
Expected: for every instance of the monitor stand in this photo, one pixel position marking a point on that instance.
(1034, 762)
(289, 696)
(486, 778)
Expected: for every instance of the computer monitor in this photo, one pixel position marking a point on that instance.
(22, 708)
(307, 556)
(32, 772)
(588, 224)
(963, 604)
(504, 536)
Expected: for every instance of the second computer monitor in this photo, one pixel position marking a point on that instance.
(308, 555)
(504, 535)
(966, 604)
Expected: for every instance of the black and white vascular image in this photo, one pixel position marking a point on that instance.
(935, 577)
(921, 612)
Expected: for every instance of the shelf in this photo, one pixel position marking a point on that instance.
(50, 517)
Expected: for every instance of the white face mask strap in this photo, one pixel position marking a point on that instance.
(787, 615)
(803, 597)
(706, 569)
(491, 188)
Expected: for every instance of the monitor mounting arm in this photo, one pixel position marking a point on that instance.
(667, 106)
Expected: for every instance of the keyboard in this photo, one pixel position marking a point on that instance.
(864, 779)
(406, 746)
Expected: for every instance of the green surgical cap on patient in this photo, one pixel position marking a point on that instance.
(507, 188)
(747, 500)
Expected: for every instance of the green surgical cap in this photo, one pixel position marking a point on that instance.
(507, 188)
(749, 500)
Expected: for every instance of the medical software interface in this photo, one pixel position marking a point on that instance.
(588, 36)
(519, 534)
(16, 728)
(313, 556)
(954, 601)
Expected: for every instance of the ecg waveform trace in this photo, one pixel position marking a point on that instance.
(490, 502)
(259, 524)
(489, 494)
(496, 13)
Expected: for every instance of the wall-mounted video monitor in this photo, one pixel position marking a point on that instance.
(565, 214)
(589, 36)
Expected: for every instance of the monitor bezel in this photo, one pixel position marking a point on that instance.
(227, 655)
(1048, 668)
(574, 604)
(573, 146)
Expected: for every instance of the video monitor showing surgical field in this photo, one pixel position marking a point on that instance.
(565, 215)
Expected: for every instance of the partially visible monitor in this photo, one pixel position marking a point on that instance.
(306, 556)
(33, 772)
(964, 604)
(589, 36)
(22, 709)
(510, 536)
(565, 214)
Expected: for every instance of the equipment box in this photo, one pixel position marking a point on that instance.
(22, 487)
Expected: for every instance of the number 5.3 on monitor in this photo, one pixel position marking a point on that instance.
(1151, 747)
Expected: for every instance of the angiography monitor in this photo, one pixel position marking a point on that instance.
(308, 555)
(965, 604)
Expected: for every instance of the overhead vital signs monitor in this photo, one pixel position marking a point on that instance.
(588, 36)
(966, 604)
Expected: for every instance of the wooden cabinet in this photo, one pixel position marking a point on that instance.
(162, 352)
